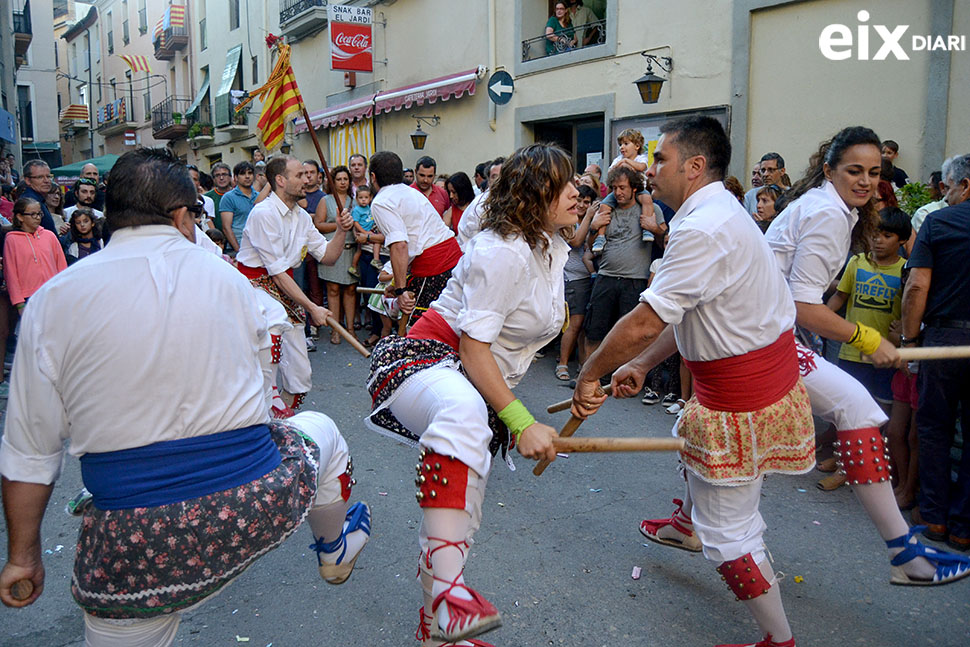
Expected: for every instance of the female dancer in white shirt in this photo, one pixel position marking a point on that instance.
(442, 385)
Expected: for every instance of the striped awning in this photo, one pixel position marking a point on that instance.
(75, 112)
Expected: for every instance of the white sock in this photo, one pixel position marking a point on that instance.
(880, 504)
(452, 525)
(768, 610)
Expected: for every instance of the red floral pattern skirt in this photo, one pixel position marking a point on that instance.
(146, 562)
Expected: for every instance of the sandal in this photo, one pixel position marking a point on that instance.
(358, 518)
(676, 407)
(562, 372)
(831, 482)
(827, 466)
(650, 527)
(466, 618)
(949, 567)
(424, 633)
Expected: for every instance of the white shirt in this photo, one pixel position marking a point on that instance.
(278, 238)
(642, 158)
(810, 239)
(471, 221)
(718, 283)
(403, 214)
(505, 294)
(69, 210)
(208, 205)
(139, 374)
(920, 214)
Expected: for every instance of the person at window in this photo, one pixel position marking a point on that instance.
(560, 36)
(582, 16)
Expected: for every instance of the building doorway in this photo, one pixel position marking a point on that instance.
(581, 137)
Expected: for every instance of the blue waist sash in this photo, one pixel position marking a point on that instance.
(177, 470)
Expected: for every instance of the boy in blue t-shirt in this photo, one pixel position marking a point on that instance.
(364, 224)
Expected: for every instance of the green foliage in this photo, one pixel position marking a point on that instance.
(913, 196)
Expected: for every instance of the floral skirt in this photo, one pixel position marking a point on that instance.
(294, 310)
(393, 361)
(733, 448)
(426, 289)
(146, 562)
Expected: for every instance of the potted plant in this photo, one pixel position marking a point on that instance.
(200, 129)
(177, 117)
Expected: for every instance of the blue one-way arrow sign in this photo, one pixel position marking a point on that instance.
(500, 87)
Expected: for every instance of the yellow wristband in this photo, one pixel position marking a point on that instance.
(516, 417)
(866, 339)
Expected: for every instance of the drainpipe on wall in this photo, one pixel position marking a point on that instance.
(492, 108)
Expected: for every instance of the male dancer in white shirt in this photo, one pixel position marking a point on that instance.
(176, 465)
(423, 249)
(743, 361)
(278, 235)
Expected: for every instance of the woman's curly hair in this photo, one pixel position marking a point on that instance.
(530, 182)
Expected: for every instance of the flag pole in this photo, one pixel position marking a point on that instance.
(316, 144)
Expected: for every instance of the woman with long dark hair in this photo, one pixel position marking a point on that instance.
(447, 386)
(459, 188)
(830, 211)
(341, 285)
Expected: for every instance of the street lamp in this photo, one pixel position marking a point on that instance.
(649, 84)
(419, 137)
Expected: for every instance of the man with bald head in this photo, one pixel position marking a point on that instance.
(88, 171)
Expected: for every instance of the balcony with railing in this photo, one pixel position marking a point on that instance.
(113, 118)
(302, 18)
(589, 35)
(169, 41)
(170, 119)
(23, 34)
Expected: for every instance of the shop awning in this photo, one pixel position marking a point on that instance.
(200, 95)
(443, 88)
(75, 111)
(222, 104)
(7, 123)
(340, 114)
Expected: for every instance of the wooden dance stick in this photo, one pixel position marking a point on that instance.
(567, 430)
(350, 337)
(22, 589)
(569, 445)
(370, 290)
(934, 352)
(566, 404)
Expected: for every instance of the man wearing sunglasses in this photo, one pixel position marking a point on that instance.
(88, 172)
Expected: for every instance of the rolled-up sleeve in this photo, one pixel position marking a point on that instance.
(36, 427)
(688, 275)
(492, 290)
(813, 266)
(389, 221)
(265, 231)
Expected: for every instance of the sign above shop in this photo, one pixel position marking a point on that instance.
(351, 38)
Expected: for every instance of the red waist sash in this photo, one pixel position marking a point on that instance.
(256, 272)
(747, 382)
(432, 325)
(437, 258)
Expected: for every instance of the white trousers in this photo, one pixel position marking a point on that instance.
(441, 406)
(839, 398)
(295, 362)
(726, 519)
(160, 631)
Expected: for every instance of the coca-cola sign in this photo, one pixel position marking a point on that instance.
(351, 46)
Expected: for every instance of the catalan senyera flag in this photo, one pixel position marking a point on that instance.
(75, 111)
(137, 62)
(176, 15)
(280, 96)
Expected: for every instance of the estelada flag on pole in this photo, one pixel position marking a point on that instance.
(280, 96)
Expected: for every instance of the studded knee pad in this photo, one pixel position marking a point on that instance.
(442, 481)
(862, 455)
(743, 576)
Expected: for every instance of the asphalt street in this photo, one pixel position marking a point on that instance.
(555, 554)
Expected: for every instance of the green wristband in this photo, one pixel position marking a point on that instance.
(516, 417)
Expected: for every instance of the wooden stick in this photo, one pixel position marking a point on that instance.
(934, 352)
(22, 589)
(349, 336)
(569, 445)
(370, 290)
(402, 324)
(566, 404)
(316, 144)
(567, 430)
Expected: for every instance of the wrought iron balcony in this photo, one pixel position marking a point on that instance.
(113, 117)
(302, 18)
(170, 41)
(589, 35)
(169, 118)
(23, 34)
